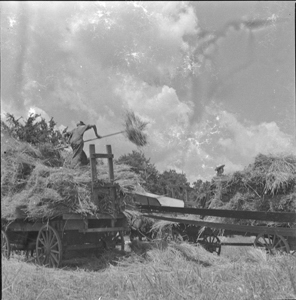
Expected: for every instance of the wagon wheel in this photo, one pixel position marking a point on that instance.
(48, 247)
(272, 243)
(211, 243)
(5, 245)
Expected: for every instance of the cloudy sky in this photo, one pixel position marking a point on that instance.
(215, 80)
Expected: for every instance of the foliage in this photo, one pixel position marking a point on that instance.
(201, 193)
(173, 183)
(142, 166)
(168, 183)
(34, 130)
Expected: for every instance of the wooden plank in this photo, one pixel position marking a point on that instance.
(102, 155)
(110, 163)
(72, 224)
(237, 244)
(81, 247)
(93, 169)
(109, 229)
(80, 217)
(24, 226)
(111, 176)
(92, 151)
(236, 214)
(239, 228)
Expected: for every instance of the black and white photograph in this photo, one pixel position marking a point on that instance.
(148, 150)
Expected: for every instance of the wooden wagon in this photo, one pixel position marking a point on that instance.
(53, 238)
(276, 233)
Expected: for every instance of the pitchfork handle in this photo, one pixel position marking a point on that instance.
(105, 136)
(63, 147)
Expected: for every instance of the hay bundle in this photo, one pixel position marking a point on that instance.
(162, 228)
(134, 130)
(17, 162)
(139, 223)
(52, 192)
(49, 192)
(134, 127)
(280, 172)
(29, 184)
(51, 157)
(270, 175)
(269, 184)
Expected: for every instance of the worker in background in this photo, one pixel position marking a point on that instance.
(220, 169)
(75, 139)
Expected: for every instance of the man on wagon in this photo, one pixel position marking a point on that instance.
(75, 139)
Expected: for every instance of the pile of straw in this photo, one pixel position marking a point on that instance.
(140, 226)
(269, 184)
(30, 184)
(134, 128)
(162, 227)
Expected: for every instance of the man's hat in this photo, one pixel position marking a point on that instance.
(219, 167)
(80, 123)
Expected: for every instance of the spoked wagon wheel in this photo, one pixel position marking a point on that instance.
(48, 247)
(272, 243)
(5, 245)
(211, 243)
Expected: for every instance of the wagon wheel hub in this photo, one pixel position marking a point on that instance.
(211, 243)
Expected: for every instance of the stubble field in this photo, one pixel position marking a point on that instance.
(179, 271)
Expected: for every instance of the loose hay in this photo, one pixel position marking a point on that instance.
(162, 226)
(134, 129)
(269, 184)
(30, 185)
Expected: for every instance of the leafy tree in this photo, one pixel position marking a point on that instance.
(141, 165)
(173, 183)
(197, 185)
(34, 130)
(169, 182)
(201, 193)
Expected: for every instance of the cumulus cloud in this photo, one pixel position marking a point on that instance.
(38, 111)
(249, 140)
(222, 138)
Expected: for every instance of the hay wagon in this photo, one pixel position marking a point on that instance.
(276, 231)
(53, 239)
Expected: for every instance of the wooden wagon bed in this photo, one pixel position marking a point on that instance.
(53, 238)
(275, 232)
